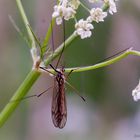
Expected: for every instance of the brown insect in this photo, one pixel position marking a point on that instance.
(59, 107)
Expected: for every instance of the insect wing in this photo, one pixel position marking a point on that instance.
(59, 108)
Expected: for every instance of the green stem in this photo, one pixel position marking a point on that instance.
(106, 63)
(102, 64)
(20, 93)
(26, 23)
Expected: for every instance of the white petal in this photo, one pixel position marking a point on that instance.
(136, 93)
(58, 20)
(55, 14)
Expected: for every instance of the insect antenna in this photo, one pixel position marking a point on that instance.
(52, 40)
(54, 68)
(63, 43)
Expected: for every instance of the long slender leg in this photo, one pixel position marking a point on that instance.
(35, 95)
(69, 74)
(76, 91)
(43, 68)
(53, 68)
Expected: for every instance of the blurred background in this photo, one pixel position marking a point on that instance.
(109, 112)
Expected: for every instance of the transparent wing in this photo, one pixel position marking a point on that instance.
(59, 108)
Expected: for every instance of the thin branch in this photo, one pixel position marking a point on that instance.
(20, 93)
(102, 64)
(26, 23)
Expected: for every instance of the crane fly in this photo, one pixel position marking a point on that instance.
(59, 107)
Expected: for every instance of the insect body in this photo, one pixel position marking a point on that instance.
(59, 108)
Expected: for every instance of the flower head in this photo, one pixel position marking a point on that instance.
(97, 14)
(112, 6)
(66, 9)
(63, 11)
(83, 28)
(136, 92)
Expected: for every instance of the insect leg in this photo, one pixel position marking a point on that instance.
(76, 91)
(30, 96)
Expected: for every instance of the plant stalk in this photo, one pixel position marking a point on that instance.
(19, 94)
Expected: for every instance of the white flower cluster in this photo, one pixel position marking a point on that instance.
(112, 6)
(83, 28)
(96, 14)
(67, 9)
(136, 92)
(63, 10)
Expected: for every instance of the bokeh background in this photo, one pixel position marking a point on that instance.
(109, 112)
